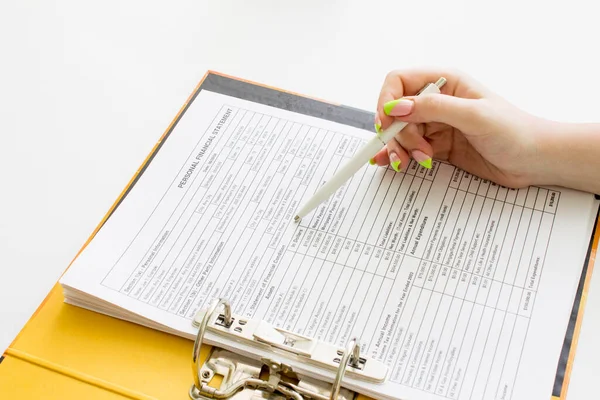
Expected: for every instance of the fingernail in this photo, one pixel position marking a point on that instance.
(377, 128)
(377, 124)
(372, 161)
(398, 108)
(395, 162)
(422, 158)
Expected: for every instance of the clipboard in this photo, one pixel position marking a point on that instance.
(68, 352)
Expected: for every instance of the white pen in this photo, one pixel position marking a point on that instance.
(361, 157)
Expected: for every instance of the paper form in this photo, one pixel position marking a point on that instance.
(462, 287)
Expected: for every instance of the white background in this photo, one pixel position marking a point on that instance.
(86, 88)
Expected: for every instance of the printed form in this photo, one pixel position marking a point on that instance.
(462, 287)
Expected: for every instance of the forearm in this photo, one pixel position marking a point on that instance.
(571, 154)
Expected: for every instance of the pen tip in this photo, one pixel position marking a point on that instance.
(297, 218)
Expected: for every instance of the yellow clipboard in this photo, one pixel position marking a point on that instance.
(67, 352)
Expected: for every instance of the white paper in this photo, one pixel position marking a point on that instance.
(462, 287)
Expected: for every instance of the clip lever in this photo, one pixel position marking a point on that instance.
(284, 340)
(306, 349)
(241, 376)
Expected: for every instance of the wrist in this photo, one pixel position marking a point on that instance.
(569, 155)
(549, 140)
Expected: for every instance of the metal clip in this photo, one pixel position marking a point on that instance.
(241, 380)
(242, 376)
(308, 350)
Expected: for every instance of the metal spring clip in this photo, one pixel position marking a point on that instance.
(245, 378)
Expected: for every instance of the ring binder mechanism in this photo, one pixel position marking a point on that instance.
(242, 375)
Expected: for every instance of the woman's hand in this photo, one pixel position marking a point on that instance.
(467, 125)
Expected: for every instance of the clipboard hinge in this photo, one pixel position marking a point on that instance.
(242, 376)
(247, 379)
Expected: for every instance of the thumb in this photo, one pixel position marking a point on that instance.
(463, 114)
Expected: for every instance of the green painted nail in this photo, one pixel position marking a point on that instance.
(372, 161)
(426, 163)
(399, 107)
(378, 128)
(396, 165)
(422, 158)
(387, 107)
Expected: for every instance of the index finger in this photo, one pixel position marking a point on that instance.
(407, 83)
